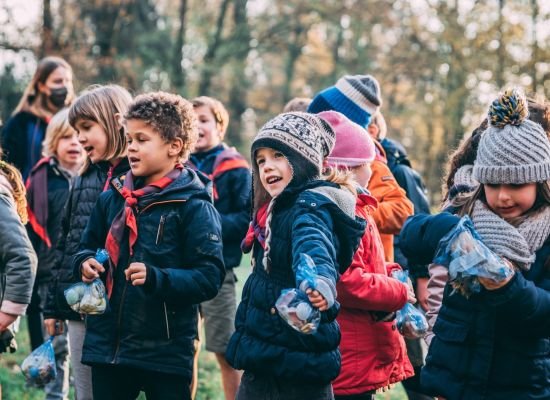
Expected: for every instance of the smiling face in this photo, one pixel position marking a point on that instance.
(510, 201)
(275, 170)
(69, 152)
(150, 155)
(209, 129)
(93, 139)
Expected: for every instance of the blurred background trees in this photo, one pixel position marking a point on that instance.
(439, 62)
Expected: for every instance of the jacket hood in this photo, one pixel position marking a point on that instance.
(395, 153)
(348, 228)
(5, 187)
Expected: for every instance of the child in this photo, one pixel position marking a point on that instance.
(94, 116)
(294, 212)
(47, 191)
(163, 236)
(17, 257)
(231, 179)
(373, 352)
(494, 344)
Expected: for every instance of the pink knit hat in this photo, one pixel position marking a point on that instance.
(354, 146)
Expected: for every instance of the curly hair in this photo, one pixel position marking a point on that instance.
(19, 192)
(170, 115)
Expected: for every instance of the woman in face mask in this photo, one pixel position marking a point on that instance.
(50, 89)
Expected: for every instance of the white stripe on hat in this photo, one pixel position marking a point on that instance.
(357, 97)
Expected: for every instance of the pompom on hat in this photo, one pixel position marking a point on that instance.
(513, 149)
(354, 146)
(356, 96)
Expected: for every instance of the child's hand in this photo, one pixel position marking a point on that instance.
(91, 269)
(53, 326)
(136, 273)
(317, 300)
(6, 320)
(491, 284)
(411, 297)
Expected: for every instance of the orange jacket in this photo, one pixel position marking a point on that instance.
(393, 205)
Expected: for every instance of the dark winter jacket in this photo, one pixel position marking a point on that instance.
(22, 139)
(317, 219)
(232, 188)
(44, 235)
(81, 202)
(17, 257)
(153, 327)
(411, 182)
(494, 345)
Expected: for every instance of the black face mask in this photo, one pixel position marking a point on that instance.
(58, 96)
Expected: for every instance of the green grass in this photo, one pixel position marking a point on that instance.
(13, 383)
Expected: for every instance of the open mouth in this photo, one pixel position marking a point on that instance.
(273, 179)
(74, 152)
(88, 149)
(133, 160)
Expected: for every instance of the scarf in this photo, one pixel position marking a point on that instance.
(126, 218)
(517, 244)
(256, 230)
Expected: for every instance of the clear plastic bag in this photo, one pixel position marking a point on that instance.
(39, 367)
(410, 321)
(89, 298)
(468, 258)
(293, 305)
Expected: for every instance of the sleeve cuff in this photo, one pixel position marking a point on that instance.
(9, 307)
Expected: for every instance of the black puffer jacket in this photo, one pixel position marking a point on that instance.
(82, 199)
(153, 326)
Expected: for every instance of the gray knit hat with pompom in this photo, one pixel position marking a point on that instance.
(513, 149)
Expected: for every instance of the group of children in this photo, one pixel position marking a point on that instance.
(151, 180)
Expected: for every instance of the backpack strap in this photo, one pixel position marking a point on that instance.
(229, 159)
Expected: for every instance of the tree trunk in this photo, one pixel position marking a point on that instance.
(178, 74)
(534, 46)
(237, 95)
(208, 66)
(501, 47)
(47, 30)
(294, 51)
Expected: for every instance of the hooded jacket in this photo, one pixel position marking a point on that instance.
(495, 344)
(373, 352)
(393, 205)
(17, 257)
(317, 219)
(153, 326)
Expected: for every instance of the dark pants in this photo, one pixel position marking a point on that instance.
(255, 387)
(115, 382)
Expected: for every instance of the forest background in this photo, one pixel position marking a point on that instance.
(439, 62)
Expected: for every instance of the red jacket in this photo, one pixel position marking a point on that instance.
(373, 353)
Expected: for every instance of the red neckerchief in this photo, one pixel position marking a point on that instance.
(126, 218)
(256, 230)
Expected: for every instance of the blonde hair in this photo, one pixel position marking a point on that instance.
(297, 104)
(104, 105)
(379, 121)
(342, 177)
(57, 128)
(19, 192)
(218, 110)
(33, 100)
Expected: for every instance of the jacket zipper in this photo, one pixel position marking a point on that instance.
(118, 322)
(166, 319)
(160, 230)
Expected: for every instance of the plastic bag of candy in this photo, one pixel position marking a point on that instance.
(89, 298)
(39, 366)
(293, 305)
(468, 258)
(410, 321)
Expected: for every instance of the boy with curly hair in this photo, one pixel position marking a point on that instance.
(163, 236)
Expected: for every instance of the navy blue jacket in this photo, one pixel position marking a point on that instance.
(494, 345)
(153, 326)
(82, 199)
(233, 202)
(304, 221)
(401, 168)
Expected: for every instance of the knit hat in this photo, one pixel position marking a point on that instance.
(354, 146)
(513, 149)
(355, 96)
(305, 140)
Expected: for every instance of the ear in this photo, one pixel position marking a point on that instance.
(175, 147)
(373, 131)
(42, 88)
